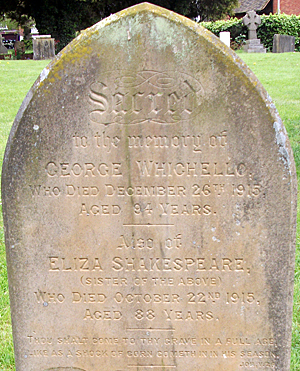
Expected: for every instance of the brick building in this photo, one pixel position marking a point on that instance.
(268, 6)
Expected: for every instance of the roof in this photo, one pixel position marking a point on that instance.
(247, 5)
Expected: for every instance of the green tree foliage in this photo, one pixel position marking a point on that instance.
(272, 24)
(238, 32)
(9, 23)
(63, 18)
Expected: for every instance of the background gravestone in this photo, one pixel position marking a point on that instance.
(283, 44)
(19, 48)
(252, 21)
(3, 49)
(43, 47)
(225, 37)
(149, 199)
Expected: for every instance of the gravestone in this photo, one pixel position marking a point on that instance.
(19, 49)
(3, 49)
(252, 21)
(43, 47)
(225, 37)
(283, 44)
(149, 199)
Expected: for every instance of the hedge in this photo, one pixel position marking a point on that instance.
(270, 25)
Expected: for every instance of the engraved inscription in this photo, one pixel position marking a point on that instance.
(137, 97)
(163, 280)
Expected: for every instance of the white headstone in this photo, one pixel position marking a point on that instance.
(225, 37)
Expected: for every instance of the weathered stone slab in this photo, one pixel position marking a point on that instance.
(254, 46)
(3, 49)
(283, 44)
(149, 199)
(43, 47)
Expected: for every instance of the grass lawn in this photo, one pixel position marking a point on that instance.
(279, 73)
(16, 78)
